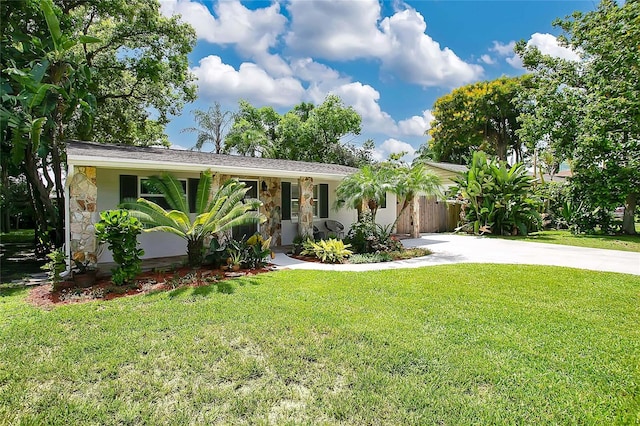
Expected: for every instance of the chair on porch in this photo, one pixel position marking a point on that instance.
(317, 233)
(335, 227)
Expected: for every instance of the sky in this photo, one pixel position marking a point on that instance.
(390, 60)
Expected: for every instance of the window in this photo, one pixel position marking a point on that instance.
(383, 204)
(291, 200)
(149, 192)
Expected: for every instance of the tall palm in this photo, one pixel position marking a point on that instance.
(222, 211)
(212, 125)
(408, 184)
(367, 186)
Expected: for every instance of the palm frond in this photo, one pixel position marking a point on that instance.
(204, 189)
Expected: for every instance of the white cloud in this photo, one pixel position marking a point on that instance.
(364, 99)
(221, 82)
(503, 49)
(251, 32)
(416, 125)
(487, 59)
(394, 146)
(546, 43)
(347, 30)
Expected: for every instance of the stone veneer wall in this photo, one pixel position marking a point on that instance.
(305, 200)
(83, 198)
(272, 209)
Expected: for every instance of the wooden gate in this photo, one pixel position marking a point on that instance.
(435, 216)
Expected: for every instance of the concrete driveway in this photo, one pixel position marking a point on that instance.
(449, 249)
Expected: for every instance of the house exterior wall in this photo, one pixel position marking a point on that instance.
(162, 244)
(83, 213)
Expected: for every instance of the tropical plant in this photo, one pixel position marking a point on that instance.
(408, 183)
(497, 198)
(226, 208)
(366, 236)
(328, 251)
(119, 230)
(55, 266)
(367, 187)
(212, 125)
(370, 258)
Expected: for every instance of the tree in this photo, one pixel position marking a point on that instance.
(222, 211)
(367, 187)
(479, 116)
(589, 110)
(212, 127)
(408, 183)
(306, 133)
(86, 70)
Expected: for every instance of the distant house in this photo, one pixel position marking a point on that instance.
(100, 176)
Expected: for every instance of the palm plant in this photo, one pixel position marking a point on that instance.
(368, 186)
(218, 213)
(410, 182)
(212, 125)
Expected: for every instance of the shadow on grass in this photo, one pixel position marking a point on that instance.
(7, 290)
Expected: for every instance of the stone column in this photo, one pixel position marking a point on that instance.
(272, 209)
(305, 214)
(83, 198)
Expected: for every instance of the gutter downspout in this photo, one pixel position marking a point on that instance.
(67, 218)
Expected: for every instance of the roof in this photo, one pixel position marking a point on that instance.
(450, 167)
(135, 157)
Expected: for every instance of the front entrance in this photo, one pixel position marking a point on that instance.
(245, 231)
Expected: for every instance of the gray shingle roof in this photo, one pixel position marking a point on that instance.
(78, 149)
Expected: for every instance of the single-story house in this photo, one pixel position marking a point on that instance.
(296, 195)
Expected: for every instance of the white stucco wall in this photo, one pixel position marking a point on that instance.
(155, 244)
(161, 244)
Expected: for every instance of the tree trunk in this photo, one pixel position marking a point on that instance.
(628, 220)
(195, 252)
(415, 217)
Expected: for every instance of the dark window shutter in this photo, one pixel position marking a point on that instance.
(383, 205)
(286, 200)
(323, 199)
(192, 192)
(128, 187)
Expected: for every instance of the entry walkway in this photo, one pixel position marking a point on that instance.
(448, 249)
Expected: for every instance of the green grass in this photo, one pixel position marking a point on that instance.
(455, 344)
(610, 242)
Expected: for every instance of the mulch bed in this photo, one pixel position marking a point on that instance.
(44, 296)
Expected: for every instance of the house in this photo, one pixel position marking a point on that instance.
(296, 195)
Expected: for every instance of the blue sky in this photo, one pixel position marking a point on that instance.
(389, 60)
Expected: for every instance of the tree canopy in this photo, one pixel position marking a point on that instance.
(478, 116)
(86, 70)
(589, 110)
(306, 133)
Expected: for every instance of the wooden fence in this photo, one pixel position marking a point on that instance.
(435, 216)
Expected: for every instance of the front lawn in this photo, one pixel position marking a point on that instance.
(455, 344)
(611, 242)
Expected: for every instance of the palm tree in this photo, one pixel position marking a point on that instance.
(408, 184)
(218, 213)
(212, 126)
(368, 186)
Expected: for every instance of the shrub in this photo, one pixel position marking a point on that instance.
(328, 251)
(120, 231)
(55, 266)
(366, 236)
(252, 253)
(497, 198)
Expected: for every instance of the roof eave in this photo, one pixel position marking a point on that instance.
(127, 164)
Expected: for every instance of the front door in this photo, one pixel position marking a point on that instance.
(245, 231)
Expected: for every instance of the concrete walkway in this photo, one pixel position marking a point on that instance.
(448, 249)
